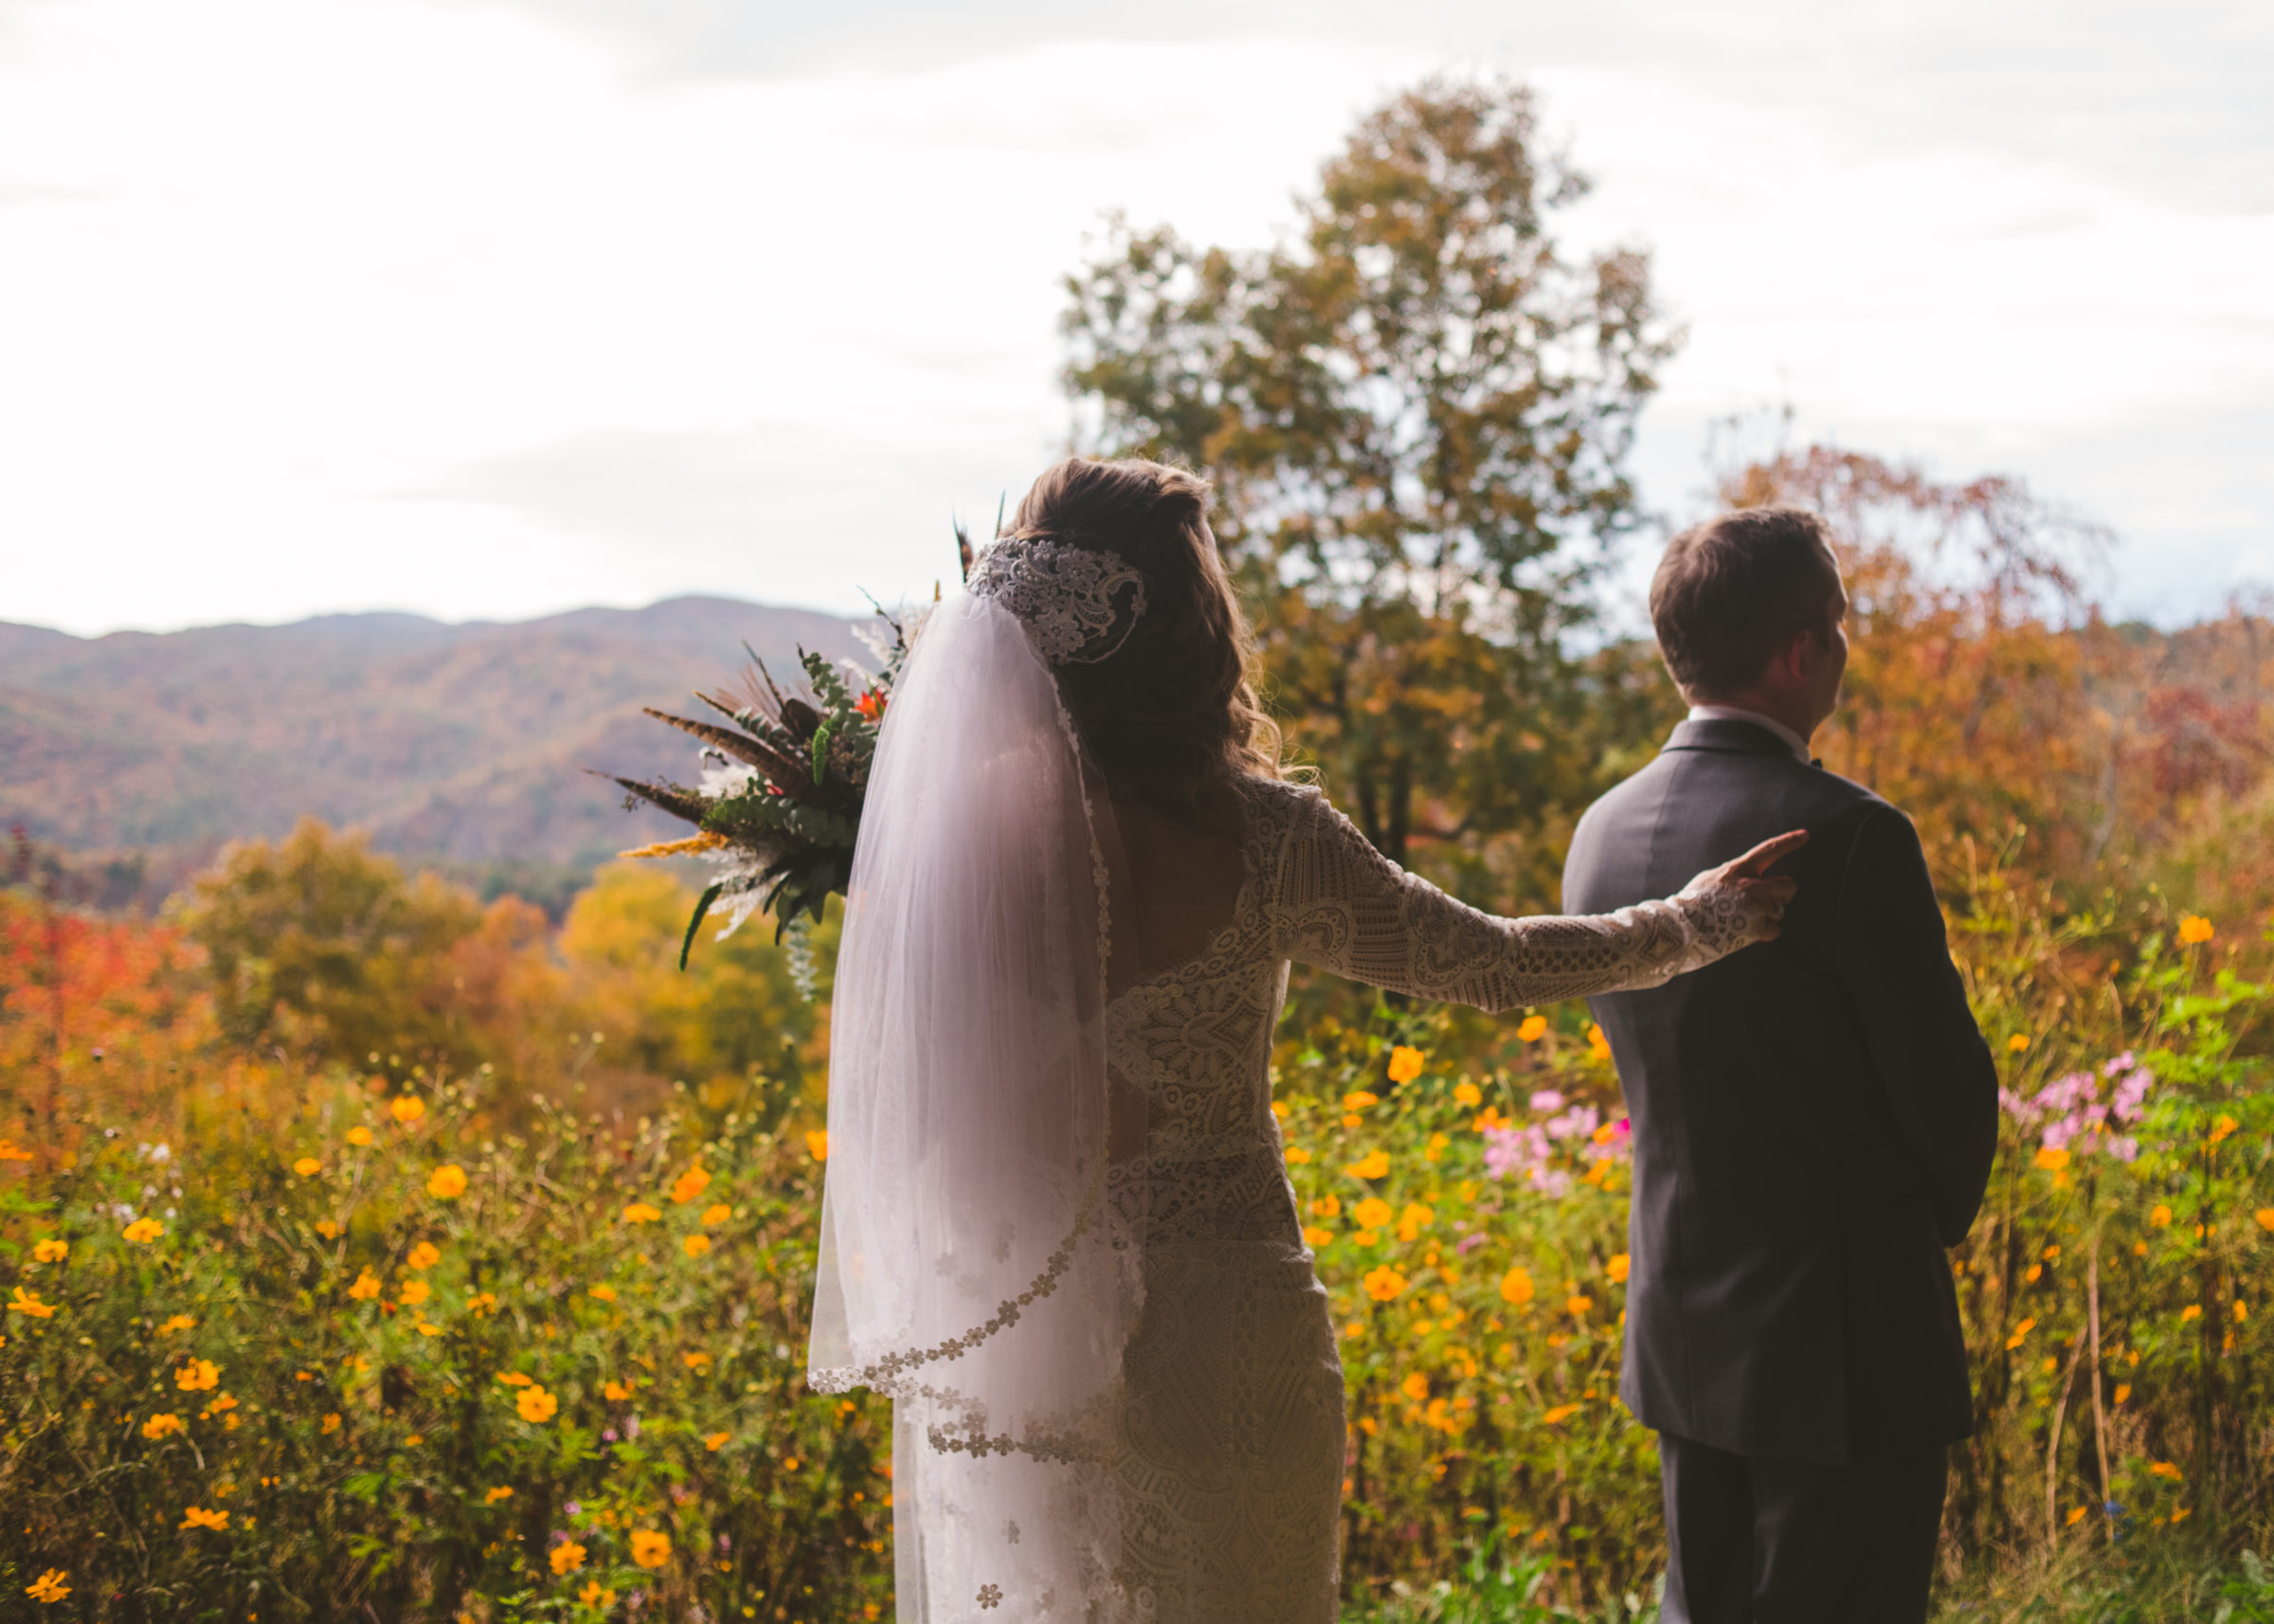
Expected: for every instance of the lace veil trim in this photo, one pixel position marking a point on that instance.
(1079, 604)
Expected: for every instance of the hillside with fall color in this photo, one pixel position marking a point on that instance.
(466, 744)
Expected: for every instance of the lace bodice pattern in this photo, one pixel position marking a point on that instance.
(1194, 1041)
(1228, 1479)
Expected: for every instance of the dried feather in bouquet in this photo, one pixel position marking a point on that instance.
(778, 801)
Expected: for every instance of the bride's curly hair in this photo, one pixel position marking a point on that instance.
(1171, 713)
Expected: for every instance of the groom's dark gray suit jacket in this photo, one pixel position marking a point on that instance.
(1813, 1117)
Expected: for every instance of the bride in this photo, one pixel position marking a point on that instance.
(1057, 1227)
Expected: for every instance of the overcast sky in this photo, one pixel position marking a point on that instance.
(488, 308)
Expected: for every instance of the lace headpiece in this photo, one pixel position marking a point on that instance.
(1078, 605)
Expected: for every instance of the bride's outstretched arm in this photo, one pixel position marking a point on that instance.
(1341, 906)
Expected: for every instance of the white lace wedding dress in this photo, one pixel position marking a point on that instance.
(1230, 1447)
(1057, 1227)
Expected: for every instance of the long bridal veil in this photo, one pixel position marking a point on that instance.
(971, 1263)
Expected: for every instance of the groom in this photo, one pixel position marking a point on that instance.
(1813, 1121)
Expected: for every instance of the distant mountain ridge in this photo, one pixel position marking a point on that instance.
(464, 743)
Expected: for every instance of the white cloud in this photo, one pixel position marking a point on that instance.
(489, 309)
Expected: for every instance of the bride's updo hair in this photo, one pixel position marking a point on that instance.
(1171, 712)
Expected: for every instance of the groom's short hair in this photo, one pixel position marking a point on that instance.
(1732, 591)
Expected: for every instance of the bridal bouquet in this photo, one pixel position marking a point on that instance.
(779, 799)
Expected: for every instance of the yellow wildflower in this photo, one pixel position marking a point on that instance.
(163, 1425)
(698, 1362)
(143, 1230)
(2076, 1515)
(690, 1185)
(717, 1441)
(616, 1391)
(639, 1212)
(1560, 1413)
(696, 1244)
(50, 1251)
(407, 1109)
(1316, 1236)
(1599, 1046)
(1359, 1100)
(1516, 1286)
(193, 1517)
(1326, 1206)
(1533, 1029)
(816, 1144)
(25, 1302)
(1415, 1387)
(535, 1404)
(1374, 1164)
(2161, 1216)
(306, 1166)
(1383, 1284)
(415, 1293)
(2264, 1217)
(198, 1376)
(2195, 929)
(650, 1548)
(448, 1182)
(1297, 1156)
(423, 1256)
(1579, 1306)
(503, 1492)
(481, 1302)
(2165, 1468)
(326, 1228)
(605, 1292)
(1467, 1094)
(2221, 1129)
(1406, 1064)
(427, 1328)
(2051, 1158)
(1618, 1268)
(359, 1135)
(2021, 1332)
(2192, 1311)
(593, 1596)
(2018, 1043)
(49, 1586)
(1411, 1222)
(567, 1557)
(713, 1217)
(2123, 1391)
(1372, 1212)
(331, 1423)
(1436, 1149)
(366, 1287)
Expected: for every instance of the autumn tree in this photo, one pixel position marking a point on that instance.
(319, 943)
(1418, 413)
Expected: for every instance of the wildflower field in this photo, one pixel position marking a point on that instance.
(301, 1337)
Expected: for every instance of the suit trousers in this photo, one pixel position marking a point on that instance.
(1778, 1542)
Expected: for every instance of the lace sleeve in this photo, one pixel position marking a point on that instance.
(1341, 906)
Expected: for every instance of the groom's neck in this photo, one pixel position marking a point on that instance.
(1796, 712)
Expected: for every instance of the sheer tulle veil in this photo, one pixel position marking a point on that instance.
(972, 1265)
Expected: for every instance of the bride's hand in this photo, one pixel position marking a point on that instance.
(1743, 894)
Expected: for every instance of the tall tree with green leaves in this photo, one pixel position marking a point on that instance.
(1417, 412)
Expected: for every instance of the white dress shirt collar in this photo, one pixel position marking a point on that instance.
(1738, 714)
